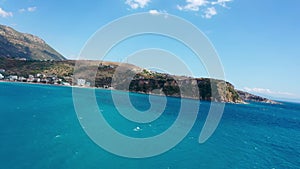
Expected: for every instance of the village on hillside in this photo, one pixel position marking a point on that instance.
(43, 79)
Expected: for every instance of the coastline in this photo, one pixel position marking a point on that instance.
(31, 83)
(243, 101)
(144, 83)
(112, 89)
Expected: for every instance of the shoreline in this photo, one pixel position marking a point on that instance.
(31, 83)
(112, 89)
(244, 102)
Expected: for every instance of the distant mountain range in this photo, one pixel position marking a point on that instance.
(14, 44)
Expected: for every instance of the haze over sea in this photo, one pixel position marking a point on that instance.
(39, 129)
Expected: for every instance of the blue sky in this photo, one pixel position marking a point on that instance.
(258, 41)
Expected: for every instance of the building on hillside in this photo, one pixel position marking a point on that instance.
(1, 76)
(81, 82)
(36, 80)
(30, 78)
(38, 75)
(13, 78)
(22, 79)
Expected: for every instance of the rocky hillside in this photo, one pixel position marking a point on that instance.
(145, 81)
(14, 44)
(253, 98)
(142, 81)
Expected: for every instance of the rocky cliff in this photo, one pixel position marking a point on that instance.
(254, 98)
(14, 44)
(134, 79)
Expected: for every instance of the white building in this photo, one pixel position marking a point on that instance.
(38, 80)
(1, 76)
(38, 75)
(30, 78)
(81, 82)
(21, 79)
(13, 78)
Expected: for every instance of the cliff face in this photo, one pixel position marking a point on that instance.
(253, 98)
(135, 79)
(149, 82)
(195, 88)
(14, 44)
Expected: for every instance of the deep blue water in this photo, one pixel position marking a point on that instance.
(39, 129)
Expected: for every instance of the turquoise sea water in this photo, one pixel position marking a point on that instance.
(39, 129)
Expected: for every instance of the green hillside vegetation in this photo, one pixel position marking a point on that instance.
(142, 80)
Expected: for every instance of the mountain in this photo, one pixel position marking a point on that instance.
(14, 44)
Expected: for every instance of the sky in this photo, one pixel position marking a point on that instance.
(258, 41)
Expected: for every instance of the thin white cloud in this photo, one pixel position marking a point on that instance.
(205, 6)
(193, 5)
(268, 92)
(154, 12)
(221, 2)
(5, 14)
(209, 12)
(31, 9)
(22, 10)
(135, 4)
(157, 12)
